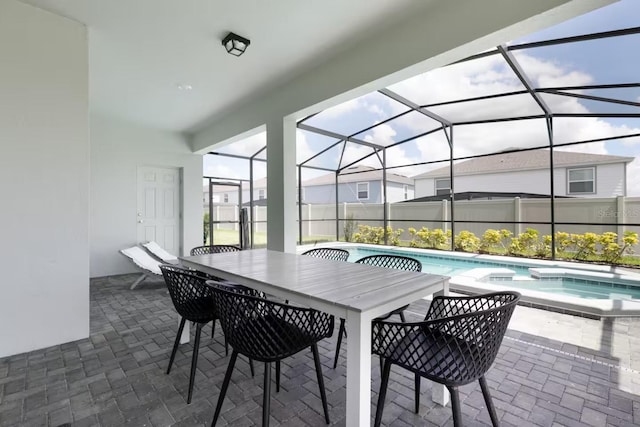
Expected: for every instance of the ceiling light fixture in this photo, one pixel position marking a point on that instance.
(235, 44)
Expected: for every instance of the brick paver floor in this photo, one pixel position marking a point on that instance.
(552, 370)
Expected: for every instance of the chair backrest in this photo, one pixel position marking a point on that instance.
(265, 330)
(191, 297)
(462, 336)
(398, 262)
(214, 249)
(328, 253)
(142, 259)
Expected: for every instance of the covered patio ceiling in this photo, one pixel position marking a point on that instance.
(573, 86)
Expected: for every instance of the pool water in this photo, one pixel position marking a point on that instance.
(446, 266)
(451, 266)
(588, 289)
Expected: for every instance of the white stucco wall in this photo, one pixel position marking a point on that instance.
(610, 182)
(117, 149)
(44, 179)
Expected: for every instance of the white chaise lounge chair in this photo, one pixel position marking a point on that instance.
(159, 252)
(150, 266)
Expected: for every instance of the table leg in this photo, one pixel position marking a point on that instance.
(184, 338)
(358, 370)
(439, 393)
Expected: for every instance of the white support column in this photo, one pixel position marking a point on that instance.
(621, 217)
(281, 185)
(445, 216)
(517, 213)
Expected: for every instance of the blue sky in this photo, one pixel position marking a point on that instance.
(604, 61)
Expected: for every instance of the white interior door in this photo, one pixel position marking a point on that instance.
(158, 214)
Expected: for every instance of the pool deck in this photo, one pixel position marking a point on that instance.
(552, 370)
(475, 280)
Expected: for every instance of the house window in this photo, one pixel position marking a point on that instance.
(405, 188)
(581, 180)
(363, 190)
(261, 194)
(443, 186)
(225, 198)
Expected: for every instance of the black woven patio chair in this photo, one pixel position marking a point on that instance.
(328, 253)
(192, 299)
(398, 262)
(213, 249)
(268, 331)
(455, 345)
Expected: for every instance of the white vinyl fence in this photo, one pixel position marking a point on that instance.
(319, 221)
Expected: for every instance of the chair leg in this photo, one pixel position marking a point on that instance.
(253, 372)
(455, 406)
(323, 394)
(402, 317)
(417, 392)
(226, 346)
(339, 343)
(225, 385)
(138, 281)
(213, 328)
(277, 376)
(176, 343)
(488, 401)
(266, 397)
(383, 392)
(194, 360)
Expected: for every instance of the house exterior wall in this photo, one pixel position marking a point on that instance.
(117, 149)
(347, 193)
(44, 179)
(395, 192)
(610, 182)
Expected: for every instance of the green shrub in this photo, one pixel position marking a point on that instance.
(349, 228)
(433, 239)
(584, 244)
(611, 250)
(375, 235)
(466, 241)
(491, 239)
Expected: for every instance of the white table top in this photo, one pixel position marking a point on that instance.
(355, 292)
(336, 286)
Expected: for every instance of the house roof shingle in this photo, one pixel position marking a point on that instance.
(364, 173)
(523, 160)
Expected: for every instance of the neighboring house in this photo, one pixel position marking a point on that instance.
(362, 187)
(575, 175)
(365, 186)
(228, 194)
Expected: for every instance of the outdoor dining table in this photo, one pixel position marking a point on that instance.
(355, 292)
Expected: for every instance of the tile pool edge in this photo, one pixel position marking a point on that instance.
(470, 283)
(593, 308)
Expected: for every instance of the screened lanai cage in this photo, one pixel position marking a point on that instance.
(530, 147)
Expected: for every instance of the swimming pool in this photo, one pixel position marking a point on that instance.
(579, 281)
(581, 288)
(434, 264)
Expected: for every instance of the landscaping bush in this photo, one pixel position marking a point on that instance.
(466, 241)
(375, 235)
(431, 239)
(588, 246)
(493, 240)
